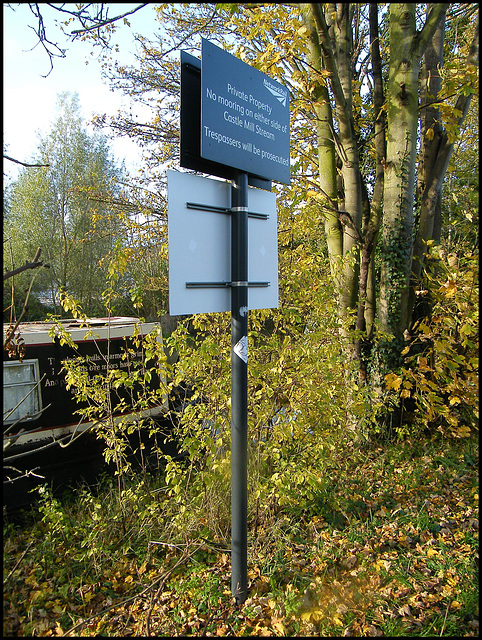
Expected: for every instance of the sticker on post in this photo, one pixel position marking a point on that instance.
(241, 349)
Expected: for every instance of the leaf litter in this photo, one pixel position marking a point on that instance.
(401, 558)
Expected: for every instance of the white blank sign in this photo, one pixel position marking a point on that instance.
(200, 245)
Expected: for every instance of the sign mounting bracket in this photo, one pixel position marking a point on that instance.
(213, 209)
(222, 285)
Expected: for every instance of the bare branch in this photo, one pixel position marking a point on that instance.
(347, 221)
(28, 265)
(21, 557)
(64, 441)
(41, 33)
(24, 308)
(437, 12)
(7, 415)
(88, 23)
(25, 164)
(103, 23)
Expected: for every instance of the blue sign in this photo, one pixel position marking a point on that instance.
(245, 116)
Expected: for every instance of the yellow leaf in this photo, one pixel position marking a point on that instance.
(452, 260)
(128, 579)
(279, 627)
(220, 631)
(450, 288)
(142, 568)
(393, 381)
(262, 631)
(254, 572)
(431, 552)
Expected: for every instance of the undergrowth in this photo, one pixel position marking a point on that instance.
(387, 546)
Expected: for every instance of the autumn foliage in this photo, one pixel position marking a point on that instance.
(388, 547)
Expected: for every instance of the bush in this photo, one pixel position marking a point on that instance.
(439, 382)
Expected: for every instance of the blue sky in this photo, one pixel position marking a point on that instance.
(29, 99)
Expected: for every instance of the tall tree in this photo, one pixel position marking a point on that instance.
(64, 209)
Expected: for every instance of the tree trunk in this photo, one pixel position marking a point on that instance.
(436, 152)
(371, 221)
(334, 36)
(402, 118)
(339, 24)
(326, 149)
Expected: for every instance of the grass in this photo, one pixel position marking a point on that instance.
(390, 549)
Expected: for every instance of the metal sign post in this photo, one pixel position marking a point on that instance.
(239, 387)
(234, 124)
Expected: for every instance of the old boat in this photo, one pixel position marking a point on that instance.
(39, 412)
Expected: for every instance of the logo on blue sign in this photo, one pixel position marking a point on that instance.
(279, 93)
